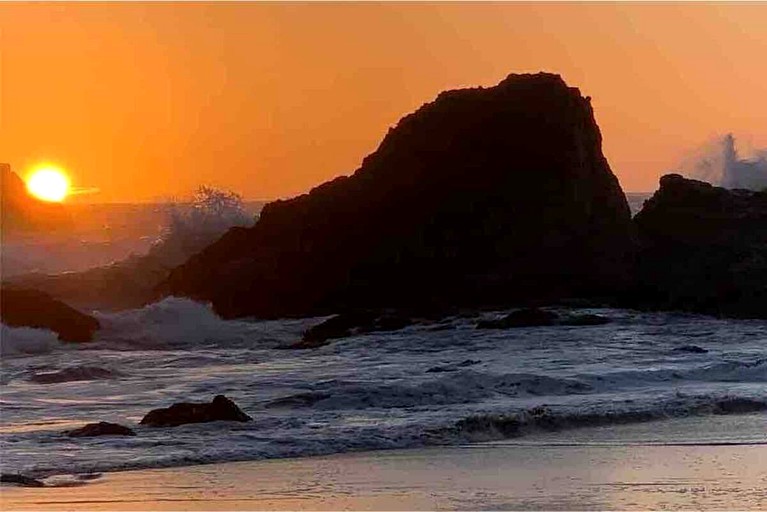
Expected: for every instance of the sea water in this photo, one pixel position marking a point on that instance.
(433, 383)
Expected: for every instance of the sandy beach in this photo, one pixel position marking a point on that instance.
(489, 476)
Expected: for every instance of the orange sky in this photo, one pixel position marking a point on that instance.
(146, 101)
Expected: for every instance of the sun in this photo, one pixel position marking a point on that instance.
(48, 183)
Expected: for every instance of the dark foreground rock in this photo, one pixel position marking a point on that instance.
(31, 308)
(220, 409)
(102, 428)
(703, 249)
(484, 196)
(24, 481)
(535, 317)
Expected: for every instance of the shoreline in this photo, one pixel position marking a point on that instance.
(473, 477)
(678, 463)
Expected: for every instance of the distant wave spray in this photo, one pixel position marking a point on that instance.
(721, 163)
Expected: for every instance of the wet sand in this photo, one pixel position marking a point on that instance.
(488, 476)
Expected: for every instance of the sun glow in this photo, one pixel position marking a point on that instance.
(48, 183)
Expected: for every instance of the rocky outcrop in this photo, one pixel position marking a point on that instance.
(703, 249)
(102, 428)
(32, 308)
(220, 409)
(486, 195)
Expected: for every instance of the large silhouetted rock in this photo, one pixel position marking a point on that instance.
(485, 195)
(32, 308)
(703, 248)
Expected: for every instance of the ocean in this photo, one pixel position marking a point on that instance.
(443, 383)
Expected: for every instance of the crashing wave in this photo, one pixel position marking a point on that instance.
(719, 162)
(18, 341)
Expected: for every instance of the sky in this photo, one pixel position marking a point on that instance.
(144, 102)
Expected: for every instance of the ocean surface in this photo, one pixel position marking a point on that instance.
(445, 383)
(437, 383)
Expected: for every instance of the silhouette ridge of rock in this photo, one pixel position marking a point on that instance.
(483, 196)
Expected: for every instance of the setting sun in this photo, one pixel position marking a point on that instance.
(48, 184)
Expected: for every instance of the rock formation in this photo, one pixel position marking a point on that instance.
(486, 195)
(703, 249)
(220, 409)
(32, 308)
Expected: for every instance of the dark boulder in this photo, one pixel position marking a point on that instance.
(102, 428)
(220, 409)
(32, 308)
(703, 249)
(484, 196)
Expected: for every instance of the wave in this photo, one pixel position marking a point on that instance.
(489, 427)
(718, 162)
(176, 322)
(256, 441)
(172, 321)
(20, 341)
(723, 371)
(73, 374)
(472, 386)
(464, 387)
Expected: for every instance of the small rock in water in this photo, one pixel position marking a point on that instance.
(220, 409)
(102, 428)
(24, 481)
